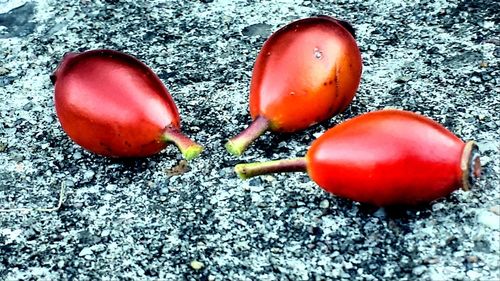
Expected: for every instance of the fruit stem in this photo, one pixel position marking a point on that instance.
(470, 165)
(239, 143)
(187, 146)
(67, 58)
(249, 170)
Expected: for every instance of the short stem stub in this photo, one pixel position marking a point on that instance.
(187, 146)
(239, 143)
(248, 170)
(67, 58)
(470, 165)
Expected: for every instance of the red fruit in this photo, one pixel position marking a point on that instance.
(387, 157)
(305, 73)
(112, 104)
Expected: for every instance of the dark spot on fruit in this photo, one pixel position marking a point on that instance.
(324, 84)
(106, 147)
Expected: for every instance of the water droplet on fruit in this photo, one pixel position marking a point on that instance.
(268, 54)
(292, 93)
(317, 53)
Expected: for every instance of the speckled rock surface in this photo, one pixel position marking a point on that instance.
(139, 220)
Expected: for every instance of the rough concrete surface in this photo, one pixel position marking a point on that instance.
(143, 220)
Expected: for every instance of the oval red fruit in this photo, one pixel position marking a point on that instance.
(112, 104)
(387, 157)
(305, 73)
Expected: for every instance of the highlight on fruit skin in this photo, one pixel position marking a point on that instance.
(305, 73)
(384, 158)
(112, 104)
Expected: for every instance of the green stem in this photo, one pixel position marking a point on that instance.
(187, 146)
(238, 144)
(248, 170)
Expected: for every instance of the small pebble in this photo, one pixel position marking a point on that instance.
(88, 175)
(489, 219)
(255, 182)
(240, 222)
(324, 204)
(269, 178)
(282, 144)
(473, 275)
(69, 183)
(18, 157)
(475, 79)
(111, 187)
(164, 191)
(438, 206)
(432, 260)
(472, 259)
(3, 71)
(85, 252)
(403, 79)
(485, 160)
(317, 135)
(276, 250)
(258, 188)
(28, 106)
(380, 213)
(419, 270)
(196, 265)
(77, 155)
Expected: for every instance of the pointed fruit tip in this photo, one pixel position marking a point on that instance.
(240, 170)
(192, 152)
(238, 144)
(233, 148)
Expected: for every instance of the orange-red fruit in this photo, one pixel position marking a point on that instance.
(390, 157)
(305, 73)
(112, 104)
(387, 157)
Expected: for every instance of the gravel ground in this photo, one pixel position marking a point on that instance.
(157, 218)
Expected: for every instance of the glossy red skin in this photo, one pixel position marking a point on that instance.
(294, 89)
(112, 104)
(388, 157)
